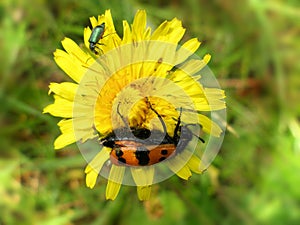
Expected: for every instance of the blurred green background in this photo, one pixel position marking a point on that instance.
(255, 48)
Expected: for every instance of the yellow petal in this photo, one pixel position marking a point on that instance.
(186, 50)
(194, 164)
(72, 136)
(91, 178)
(207, 58)
(215, 98)
(66, 90)
(93, 168)
(165, 52)
(127, 35)
(139, 25)
(110, 37)
(211, 106)
(114, 181)
(99, 160)
(184, 173)
(193, 66)
(84, 135)
(81, 123)
(144, 192)
(101, 19)
(109, 23)
(86, 36)
(143, 176)
(171, 31)
(69, 65)
(209, 126)
(78, 55)
(72, 129)
(176, 31)
(147, 34)
(160, 31)
(112, 190)
(81, 128)
(93, 21)
(191, 45)
(177, 165)
(64, 140)
(60, 108)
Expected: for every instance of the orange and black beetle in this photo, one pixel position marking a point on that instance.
(142, 147)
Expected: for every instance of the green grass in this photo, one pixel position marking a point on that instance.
(255, 48)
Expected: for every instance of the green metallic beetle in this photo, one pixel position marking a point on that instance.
(96, 35)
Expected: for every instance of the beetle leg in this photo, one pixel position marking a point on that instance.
(98, 49)
(177, 128)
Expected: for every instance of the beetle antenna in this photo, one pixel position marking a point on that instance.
(122, 117)
(191, 124)
(201, 139)
(159, 116)
(108, 34)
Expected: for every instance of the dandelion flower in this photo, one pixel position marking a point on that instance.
(140, 99)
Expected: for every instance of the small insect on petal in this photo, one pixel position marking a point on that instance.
(97, 34)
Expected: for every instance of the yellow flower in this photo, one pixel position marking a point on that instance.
(139, 82)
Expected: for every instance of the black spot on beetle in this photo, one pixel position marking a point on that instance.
(162, 159)
(122, 160)
(164, 152)
(119, 153)
(142, 155)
